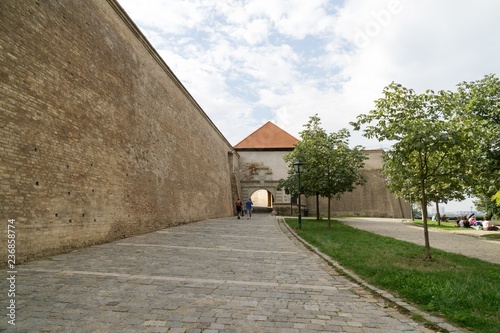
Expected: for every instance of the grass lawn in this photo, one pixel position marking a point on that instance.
(494, 235)
(464, 291)
(433, 224)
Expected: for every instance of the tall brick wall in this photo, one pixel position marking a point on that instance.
(98, 139)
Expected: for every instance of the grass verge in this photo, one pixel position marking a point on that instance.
(443, 225)
(465, 291)
(451, 226)
(495, 236)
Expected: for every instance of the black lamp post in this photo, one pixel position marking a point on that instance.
(298, 167)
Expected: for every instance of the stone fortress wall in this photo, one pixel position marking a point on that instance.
(262, 169)
(98, 138)
(371, 199)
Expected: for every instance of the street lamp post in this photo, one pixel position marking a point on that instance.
(298, 167)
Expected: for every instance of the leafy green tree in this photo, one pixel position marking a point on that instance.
(496, 198)
(289, 184)
(305, 151)
(430, 149)
(341, 166)
(478, 104)
(490, 205)
(331, 166)
(312, 137)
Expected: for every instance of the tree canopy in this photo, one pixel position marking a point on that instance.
(331, 166)
(478, 103)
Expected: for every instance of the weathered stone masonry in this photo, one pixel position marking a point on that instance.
(98, 138)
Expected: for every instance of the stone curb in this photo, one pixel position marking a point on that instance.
(436, 321)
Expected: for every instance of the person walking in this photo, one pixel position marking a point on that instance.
(238, 207)
(248, 205)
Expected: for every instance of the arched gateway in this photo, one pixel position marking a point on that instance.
(261, 166)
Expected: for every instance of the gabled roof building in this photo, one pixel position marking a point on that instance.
(268, 137)
(261, 166)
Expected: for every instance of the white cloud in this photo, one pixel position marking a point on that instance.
(247, 62)
(167, 16)
(433, 45)
(255, 32)
(301, 18)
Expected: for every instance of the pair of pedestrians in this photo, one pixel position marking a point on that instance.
(248, 207)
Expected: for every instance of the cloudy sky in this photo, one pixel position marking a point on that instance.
(250, 61)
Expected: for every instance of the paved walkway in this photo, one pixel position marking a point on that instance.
(462, 241)
(219, 275)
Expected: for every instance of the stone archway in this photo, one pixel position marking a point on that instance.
(263, 198)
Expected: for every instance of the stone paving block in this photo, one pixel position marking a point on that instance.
(210, 276)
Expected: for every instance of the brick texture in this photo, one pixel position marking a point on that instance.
(98, 138)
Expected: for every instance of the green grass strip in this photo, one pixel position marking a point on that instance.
(464, 291)
(452, 226)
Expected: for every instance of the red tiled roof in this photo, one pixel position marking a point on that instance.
(267, 136)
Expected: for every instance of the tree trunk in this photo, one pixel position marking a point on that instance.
(411, 210)
(317, 206)
(438, 215)
(424, 217)
(329, 205)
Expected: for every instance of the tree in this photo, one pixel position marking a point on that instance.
(490, 205)
(479, 108)
(496, 197)
(305, 151)
(429, 156)
(341, 166)
(331, 167)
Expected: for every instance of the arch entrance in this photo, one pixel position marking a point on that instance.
(262, 198)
